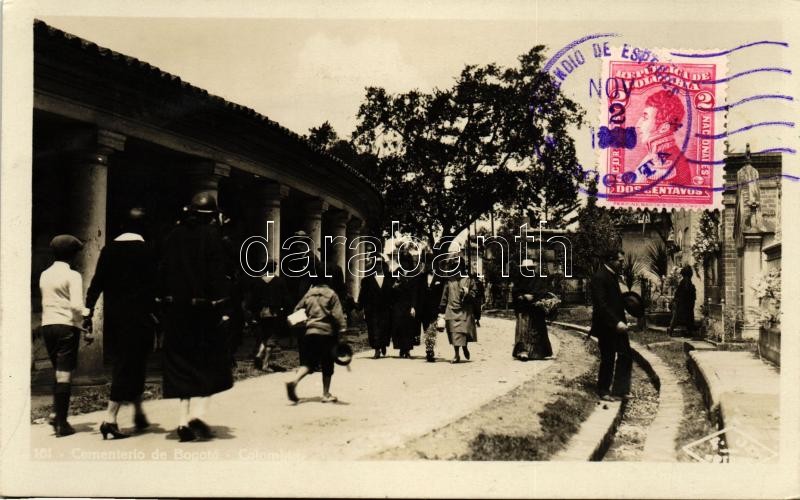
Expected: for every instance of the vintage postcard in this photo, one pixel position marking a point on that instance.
(398, 249)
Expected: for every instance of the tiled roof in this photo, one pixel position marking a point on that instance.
(156, 73)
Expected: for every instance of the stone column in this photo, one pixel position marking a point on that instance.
(271, 196)
(312, 224)
(751, 269)
(353, 281)
(204, 177)
(88, 189)
(338, 230)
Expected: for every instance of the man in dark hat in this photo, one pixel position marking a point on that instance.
(611, 329)
(195, 291)
(62, 315)
(126, 276)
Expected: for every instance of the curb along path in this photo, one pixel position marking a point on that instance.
(662, 432)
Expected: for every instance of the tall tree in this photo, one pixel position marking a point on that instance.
(497, 136)
(595, 236)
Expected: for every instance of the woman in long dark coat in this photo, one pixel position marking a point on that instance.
(374, 297)
(530, 339)
(196, 293)
(683, 308)
(404, 326)
(126, 276)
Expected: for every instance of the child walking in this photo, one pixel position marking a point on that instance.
(325, 321)
(62, 315)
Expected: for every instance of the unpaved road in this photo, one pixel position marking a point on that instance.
(383, 404)
(514, 414)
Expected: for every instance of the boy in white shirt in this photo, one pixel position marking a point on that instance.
(62, 315)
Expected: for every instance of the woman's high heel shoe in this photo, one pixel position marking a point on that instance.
(185, 434)
(113, 429)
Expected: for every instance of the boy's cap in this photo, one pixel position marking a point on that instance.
(66, 243)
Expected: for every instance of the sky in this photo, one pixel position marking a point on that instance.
(302, 72)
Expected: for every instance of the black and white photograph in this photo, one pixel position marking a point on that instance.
(399, 249)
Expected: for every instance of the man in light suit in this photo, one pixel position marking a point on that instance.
(610, 328)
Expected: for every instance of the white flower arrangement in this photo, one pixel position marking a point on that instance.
(768, 291)
(706, 241)
(548, 304)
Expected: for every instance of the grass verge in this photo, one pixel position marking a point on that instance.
(559, 421)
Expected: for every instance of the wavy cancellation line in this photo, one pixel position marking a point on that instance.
(647, 188)
(753, 98)
(748, 72)
(723, 135)
(763, 151)
(729, 51)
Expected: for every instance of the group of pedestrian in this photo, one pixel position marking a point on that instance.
(191, 296)
(406, 307)
(186, 292)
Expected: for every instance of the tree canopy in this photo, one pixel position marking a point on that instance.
(498, 136)
(596, 235)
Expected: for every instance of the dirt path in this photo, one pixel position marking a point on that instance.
(512, 418)
(383, 404)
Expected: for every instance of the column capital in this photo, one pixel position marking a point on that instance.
(108, 142)
(96, 146)
(273, 192)
(354, 226)
(314, 207)
(209, 168)
(338, 217)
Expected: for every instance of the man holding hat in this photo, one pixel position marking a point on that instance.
(62, 315)
(610, 328)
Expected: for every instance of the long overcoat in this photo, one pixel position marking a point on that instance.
(457, 304)
(196, 293)
(375, 300)
(126, 277)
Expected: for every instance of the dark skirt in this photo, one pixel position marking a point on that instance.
(196, 357)
(129, 346)
(531, 336)
(402, 328)
(378, 325)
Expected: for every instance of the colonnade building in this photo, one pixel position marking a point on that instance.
(111, 132)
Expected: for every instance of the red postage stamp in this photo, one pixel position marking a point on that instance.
(659, 135)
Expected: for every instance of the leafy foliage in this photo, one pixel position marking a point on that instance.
(631, 270)
(656, 259)
(497, 136)
(596, 235)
